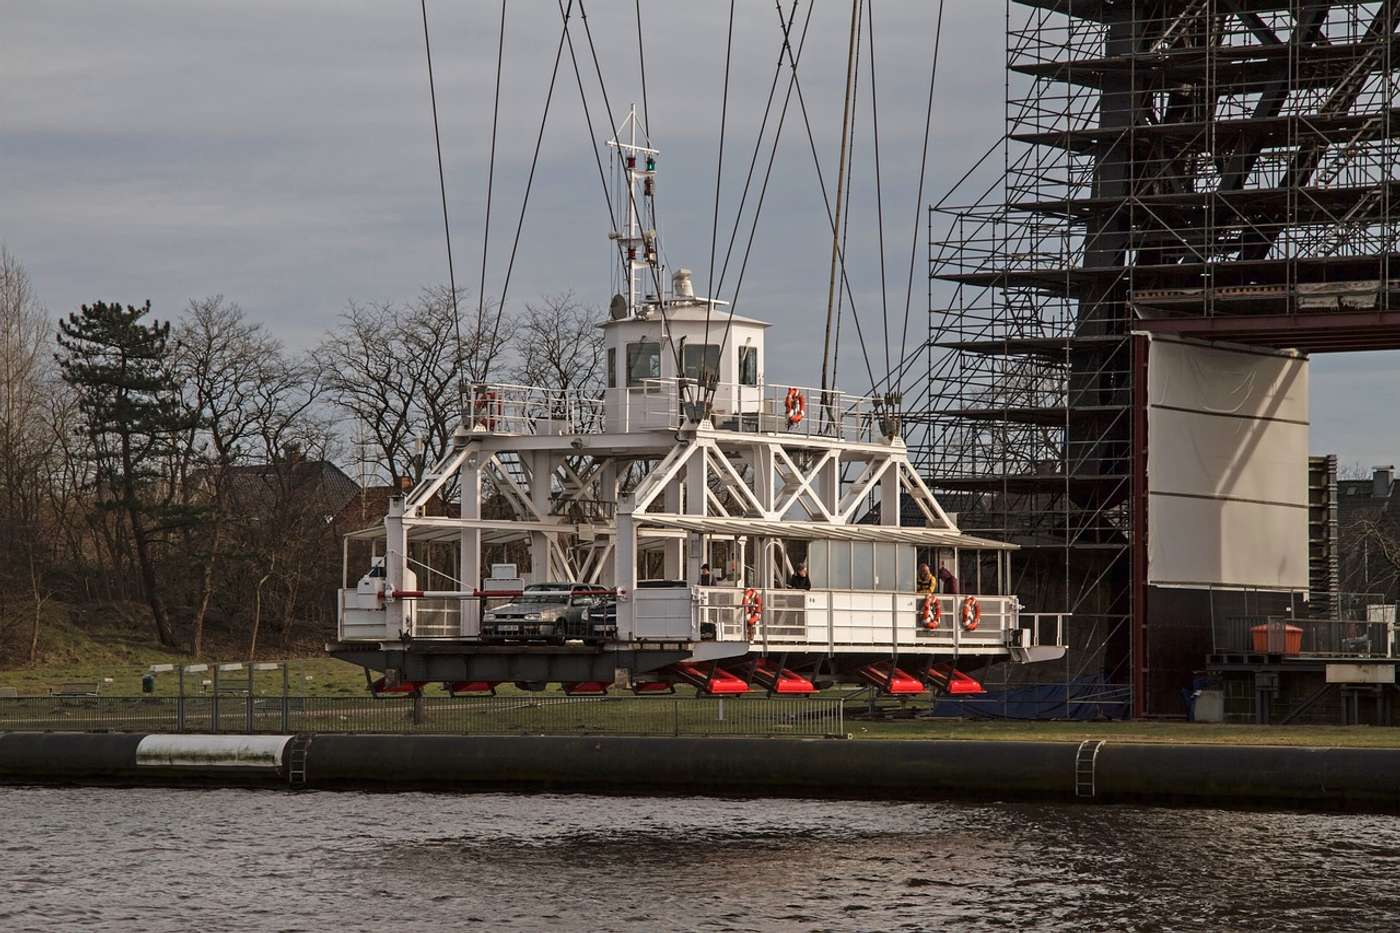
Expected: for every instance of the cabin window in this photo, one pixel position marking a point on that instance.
(748, 366)
(839, 568)
(907, 562)
(816, 564)
(701, 359)
(612, 367)
(643, 362)
(862, 565)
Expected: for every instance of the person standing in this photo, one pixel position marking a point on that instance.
(947, 582)
(706, 578)
(799, 579)
(926, 582)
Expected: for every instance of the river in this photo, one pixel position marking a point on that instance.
(174, 860)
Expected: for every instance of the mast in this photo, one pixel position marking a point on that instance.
(639, 183)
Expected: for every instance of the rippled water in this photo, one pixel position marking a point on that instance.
(156, 860)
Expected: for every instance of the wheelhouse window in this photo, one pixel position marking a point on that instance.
(748, 366)
(612, 367)
(700, 361)
(643, 362)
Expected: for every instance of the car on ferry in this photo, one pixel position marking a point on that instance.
(552, 613)
(600, 621)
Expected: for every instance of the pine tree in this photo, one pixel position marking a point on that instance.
(134, 421)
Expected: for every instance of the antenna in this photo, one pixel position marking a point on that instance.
(638, 165)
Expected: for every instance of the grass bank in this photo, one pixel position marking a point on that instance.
(1149, 732)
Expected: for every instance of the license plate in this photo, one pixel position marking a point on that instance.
(508, 629)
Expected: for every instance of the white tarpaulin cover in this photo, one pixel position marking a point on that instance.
(1227, 466)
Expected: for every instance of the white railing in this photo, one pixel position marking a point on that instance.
(846, 618)
(670, 403)
(362, 617)
(517, 409)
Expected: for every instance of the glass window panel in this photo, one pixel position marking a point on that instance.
(701, 359)
(885, 560)
(748, 366)
(862, 565)
(908, 567)
(612, 367)
(643, 362)
(816, 564)
(840, 567)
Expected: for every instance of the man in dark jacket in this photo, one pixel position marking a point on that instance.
(799, 579)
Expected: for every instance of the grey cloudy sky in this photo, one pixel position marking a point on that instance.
(280, 152)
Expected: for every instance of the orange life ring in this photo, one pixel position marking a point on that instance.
(753, 610)
(971, 614)
(932, 612)
(486, 408)
(796, 407)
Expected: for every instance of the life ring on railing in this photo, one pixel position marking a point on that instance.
(971, 614)
(932, 612)
(753, 610)
(485, 410)
(796, 407)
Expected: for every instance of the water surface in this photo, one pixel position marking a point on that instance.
(170, 860)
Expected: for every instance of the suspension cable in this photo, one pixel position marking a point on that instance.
(719, 177)
(923, 171)
(784, 55)
(631, 195)
(529, 186)
(846, 207)
(840, 188)
(642, 69)
(879, 189)
(446, 226)
(762, 130)
(490, 187)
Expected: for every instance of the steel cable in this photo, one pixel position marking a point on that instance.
(442, 190)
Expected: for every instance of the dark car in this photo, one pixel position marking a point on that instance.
(601, 621)
(545, 612)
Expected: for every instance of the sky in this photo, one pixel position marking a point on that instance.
(280, 153)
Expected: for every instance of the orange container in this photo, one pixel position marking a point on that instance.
(1277, 638)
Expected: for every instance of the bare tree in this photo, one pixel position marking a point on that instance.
(396, 370)
(233, 373)
(564, 349)
(27, 444)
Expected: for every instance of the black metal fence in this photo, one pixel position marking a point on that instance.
(494, 715)
(1303, 637)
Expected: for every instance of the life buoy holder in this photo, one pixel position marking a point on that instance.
(971, 614)
(932, 612)
(796, 407)
(753, 610)
(485, 409)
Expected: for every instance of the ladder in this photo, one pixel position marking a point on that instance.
(1085, 760)
(296, 760)
(1178, 27)
(1343, 156)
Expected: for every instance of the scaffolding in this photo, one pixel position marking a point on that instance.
(1222, 169)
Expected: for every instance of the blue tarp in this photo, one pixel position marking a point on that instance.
(1086, 698)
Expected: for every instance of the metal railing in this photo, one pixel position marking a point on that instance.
(1304, 638)
(491, 715)
(859, 617)
(661, 403)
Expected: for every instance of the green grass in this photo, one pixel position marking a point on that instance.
(1151, 732)
(111, 650)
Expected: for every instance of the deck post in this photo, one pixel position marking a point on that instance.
(469, 555)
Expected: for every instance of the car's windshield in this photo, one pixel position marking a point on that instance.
(540, 597)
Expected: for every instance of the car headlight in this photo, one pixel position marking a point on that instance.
(584, 616)
(532, 617)
(490, 617)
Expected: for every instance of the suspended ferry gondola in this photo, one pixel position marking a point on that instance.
(689, 458)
